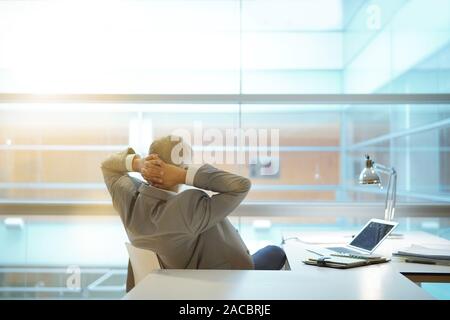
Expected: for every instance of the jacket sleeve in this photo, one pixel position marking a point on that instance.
(201, 211)
(122, 187)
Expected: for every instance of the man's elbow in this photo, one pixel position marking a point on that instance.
(107, 163)
(106, 170)
(239, 185)
(104, 164)
(246, 184)
(103, 167)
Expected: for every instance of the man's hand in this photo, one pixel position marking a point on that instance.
(161, 174)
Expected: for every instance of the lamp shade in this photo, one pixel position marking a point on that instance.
(368, 175)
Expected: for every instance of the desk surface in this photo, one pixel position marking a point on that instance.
(382, 281)
(295, 250)
(316, 283)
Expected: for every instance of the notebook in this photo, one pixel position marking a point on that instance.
(342, 262)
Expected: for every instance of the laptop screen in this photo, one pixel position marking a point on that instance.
(371, 235)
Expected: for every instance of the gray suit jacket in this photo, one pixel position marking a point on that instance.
(188, 230)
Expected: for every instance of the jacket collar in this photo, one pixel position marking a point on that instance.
(154, 192)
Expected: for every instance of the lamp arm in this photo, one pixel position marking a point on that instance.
(391, 195)
(384, 169)
(387, 202)
(394, 194)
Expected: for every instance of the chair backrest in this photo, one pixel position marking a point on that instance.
(143, 262)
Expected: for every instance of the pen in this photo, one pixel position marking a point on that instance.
(416, 261)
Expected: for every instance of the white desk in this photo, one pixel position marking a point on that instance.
(382, 281)
(295, 251)
(312, 283)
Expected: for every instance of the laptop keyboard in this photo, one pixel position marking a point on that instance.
(349, 252)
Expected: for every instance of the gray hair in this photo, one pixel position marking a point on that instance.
(172, 150)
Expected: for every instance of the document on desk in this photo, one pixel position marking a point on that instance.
(426, 252)
(422, 254)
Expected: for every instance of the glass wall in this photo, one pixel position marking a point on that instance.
(226, 47)
(412, 139)
(229, 46)
(51, 152)
(166, 46)
(292, 46)
(396, 46)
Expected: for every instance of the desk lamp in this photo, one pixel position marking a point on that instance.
(369, 176)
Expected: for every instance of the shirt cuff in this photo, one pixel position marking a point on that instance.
(129, 162)
(190, 174)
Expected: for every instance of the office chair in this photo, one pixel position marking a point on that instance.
(142, 261)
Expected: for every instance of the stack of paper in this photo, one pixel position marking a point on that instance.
(421, 254)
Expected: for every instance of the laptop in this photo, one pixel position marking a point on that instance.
(368, 239)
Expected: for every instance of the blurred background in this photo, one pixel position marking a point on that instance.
(55, 212)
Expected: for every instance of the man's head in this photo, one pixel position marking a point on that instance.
(172, 150)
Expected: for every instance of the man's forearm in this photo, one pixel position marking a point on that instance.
(216, 180)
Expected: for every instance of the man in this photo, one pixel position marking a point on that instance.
(186, 230)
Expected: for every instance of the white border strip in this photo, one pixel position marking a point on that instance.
(229, 98)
